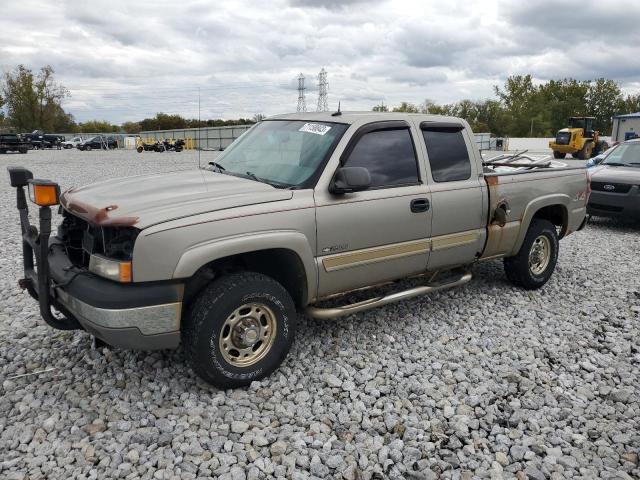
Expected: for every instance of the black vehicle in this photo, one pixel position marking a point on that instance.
(12, 142)
(158, 146)
(98, 143)
(39, 140)
(173, 146)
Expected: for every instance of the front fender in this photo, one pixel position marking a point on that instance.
(533, 207)
(206, 252)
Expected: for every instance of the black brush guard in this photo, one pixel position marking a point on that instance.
(35, 245)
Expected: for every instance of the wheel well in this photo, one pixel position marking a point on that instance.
(556, 214)
(281, 264)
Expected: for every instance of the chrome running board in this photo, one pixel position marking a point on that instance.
(327, 313)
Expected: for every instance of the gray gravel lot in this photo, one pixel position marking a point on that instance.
(483, 381)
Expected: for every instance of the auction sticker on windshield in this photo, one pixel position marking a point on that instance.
(316, 128)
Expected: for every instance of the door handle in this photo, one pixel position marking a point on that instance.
(419, 205)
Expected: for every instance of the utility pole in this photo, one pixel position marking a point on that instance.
(323, 88)
(302, 103)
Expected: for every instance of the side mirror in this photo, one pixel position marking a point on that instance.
(350, 179)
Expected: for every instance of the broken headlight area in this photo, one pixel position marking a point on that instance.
(83, 241)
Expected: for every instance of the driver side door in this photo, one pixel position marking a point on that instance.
(382, 233)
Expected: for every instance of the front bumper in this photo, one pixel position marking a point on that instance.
(606, 204)
(142, 316)
(134, 316)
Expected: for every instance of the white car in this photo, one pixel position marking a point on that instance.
(72, 143)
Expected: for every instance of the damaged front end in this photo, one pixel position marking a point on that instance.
(85, 273)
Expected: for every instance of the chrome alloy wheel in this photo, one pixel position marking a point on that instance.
(539, 255)
(247, 334)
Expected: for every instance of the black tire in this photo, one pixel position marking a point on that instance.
(140, 149)
(178, 149)
(518, 268)
(205, 325)
(585, 152)
(23, 150)
(574, 154)
(88, 148)
(557, 154)
(2, 152)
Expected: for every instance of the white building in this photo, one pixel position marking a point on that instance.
(625, 127)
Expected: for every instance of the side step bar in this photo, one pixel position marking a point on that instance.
(327, 313)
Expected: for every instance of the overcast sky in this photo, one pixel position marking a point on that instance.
(127, 60)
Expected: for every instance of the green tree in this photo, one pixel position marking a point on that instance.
(406, 107)
(380, 108)
(604, 100)
(33, 101)
(97, 126)
(131, 127)
(631, 104)
(518, 96)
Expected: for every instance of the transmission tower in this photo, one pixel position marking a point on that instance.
(302, 103)
(323, 87)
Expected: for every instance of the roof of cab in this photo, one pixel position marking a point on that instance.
(358, 117)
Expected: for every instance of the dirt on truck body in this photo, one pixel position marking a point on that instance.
(301, 208)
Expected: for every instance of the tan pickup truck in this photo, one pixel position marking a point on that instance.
(302, 208)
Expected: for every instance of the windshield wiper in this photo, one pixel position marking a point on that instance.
(273, 183)
(219, 168)
(615, 164)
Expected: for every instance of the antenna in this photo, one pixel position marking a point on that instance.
(323, 87)
(338, 113)
(198, 134)
(302, 103)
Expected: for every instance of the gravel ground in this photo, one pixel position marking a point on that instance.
(482, 381)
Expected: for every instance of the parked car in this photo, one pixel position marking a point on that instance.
(40, 140)
(13, 142)
(615, 183)
(74, 142)
(97, 143)
(302, 208)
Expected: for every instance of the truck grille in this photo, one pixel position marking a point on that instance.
(611, 187)
(563, 138)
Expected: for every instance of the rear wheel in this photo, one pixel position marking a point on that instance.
(536, 260)
(88, 148)
(557, 154)
(140, 149)
(239, 329)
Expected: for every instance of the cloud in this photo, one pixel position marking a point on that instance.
(125, 60)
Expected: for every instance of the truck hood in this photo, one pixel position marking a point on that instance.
(604, 173)
(146, 200)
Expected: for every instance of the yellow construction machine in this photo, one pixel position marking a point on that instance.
(579, 139)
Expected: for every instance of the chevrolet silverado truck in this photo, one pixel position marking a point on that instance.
(301, 209)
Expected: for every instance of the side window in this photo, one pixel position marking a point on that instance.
(388, 155)
(448, 155)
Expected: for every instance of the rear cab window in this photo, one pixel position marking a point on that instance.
(447, 151)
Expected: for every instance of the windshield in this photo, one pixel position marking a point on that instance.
(624, 154)
(280, 152)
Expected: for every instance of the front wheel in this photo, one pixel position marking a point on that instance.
(536, 260)
(239, 329)
(88, 148)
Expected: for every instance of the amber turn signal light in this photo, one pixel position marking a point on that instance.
(44, 193)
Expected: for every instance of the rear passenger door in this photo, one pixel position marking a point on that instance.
(458, 194)
(368, 237)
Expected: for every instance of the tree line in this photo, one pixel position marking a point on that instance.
(33, 101)
(523, 108)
